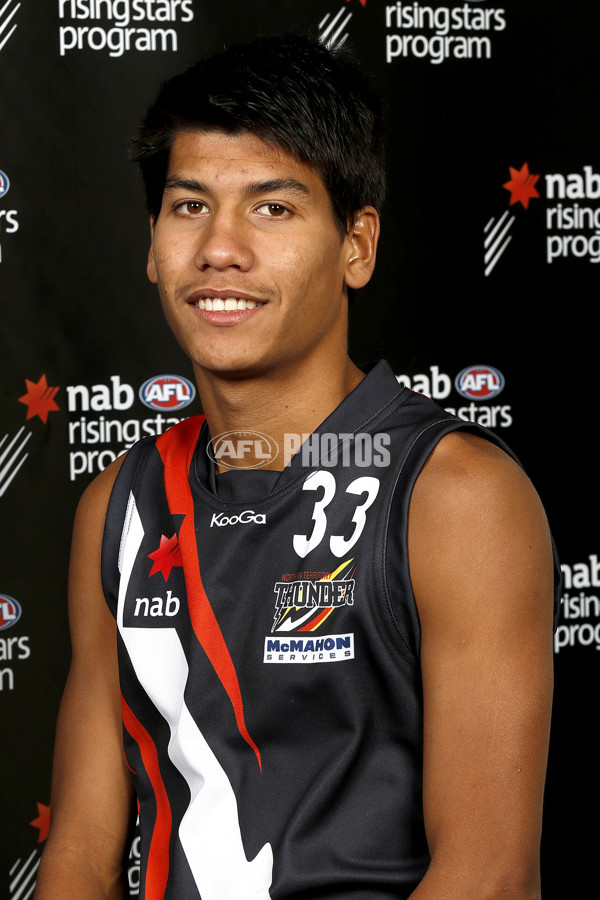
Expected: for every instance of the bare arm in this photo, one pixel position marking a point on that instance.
(481, 565)
(92, 795)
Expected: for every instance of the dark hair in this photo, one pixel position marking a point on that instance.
(292, 93)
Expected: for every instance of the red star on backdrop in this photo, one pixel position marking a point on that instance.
(42, 822)
(521, 185)
(167, 556)
(39, 398)
(362, 2)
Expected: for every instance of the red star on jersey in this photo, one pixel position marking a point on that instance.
(521, 185)
(362, 2)
(167, 556)
(42, 822)
(39, 398)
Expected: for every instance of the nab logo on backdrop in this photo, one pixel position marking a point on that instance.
(571, 212)
(579, 622)
(40, 402)
(116, 28)
(477, 384)
(101, 426)
(167, 392)
(23, 871)
(422, 31)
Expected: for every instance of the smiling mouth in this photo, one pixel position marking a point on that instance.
(227, 304)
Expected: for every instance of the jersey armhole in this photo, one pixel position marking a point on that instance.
(397, 584)
(117, 517)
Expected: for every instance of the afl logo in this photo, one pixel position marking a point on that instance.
(242, 449)
(4, 184)
(10, 611)
(479, 382)
(167, 392)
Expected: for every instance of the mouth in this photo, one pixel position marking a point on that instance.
(224, 307)
(226, 304)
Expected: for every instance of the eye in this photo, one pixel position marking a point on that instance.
(273, 210)
(191, 207)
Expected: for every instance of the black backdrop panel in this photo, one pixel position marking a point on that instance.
(488, 269)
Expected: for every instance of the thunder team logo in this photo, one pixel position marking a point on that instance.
(304, 605)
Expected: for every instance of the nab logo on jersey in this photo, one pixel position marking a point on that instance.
(167, 392)
(479, 382)
(10, 611)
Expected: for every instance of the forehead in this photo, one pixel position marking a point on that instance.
(236, 157)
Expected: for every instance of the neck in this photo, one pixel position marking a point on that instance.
(278, 404)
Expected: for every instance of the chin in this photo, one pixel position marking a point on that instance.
(231, 367)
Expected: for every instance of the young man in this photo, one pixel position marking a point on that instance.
(332, 673)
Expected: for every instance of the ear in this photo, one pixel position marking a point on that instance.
(151, 268)
(361, 244)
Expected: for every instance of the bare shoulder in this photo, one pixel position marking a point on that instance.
(92, 798)
(476, 524)
(464, 466)
(467, 476)
(86, 600)
(480, 559)
(95, 497)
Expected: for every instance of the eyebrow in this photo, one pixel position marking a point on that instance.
(289, 185)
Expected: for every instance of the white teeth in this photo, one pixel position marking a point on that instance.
(230, 304)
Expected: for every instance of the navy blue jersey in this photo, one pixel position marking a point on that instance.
(269, 658)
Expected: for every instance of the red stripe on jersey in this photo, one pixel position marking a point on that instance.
(157, 870)
(176, 447)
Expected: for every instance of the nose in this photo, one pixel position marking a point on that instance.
(224, 243)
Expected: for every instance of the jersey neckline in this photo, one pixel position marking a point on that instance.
(376, 390)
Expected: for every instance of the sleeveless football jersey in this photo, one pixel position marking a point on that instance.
(269, 657)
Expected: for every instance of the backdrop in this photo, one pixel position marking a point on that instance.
(484, 297)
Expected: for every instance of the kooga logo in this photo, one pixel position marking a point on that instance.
(244, 518)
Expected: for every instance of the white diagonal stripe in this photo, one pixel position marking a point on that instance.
(498, 255)
(500, 237)
(209, 830)
(332, 24)
(334, 38)
(16, 890)
(490, 236)
(6, 22)
(6, 476)
(16, 880)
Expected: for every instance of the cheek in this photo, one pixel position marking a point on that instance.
(170, 256)
(296, 267)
